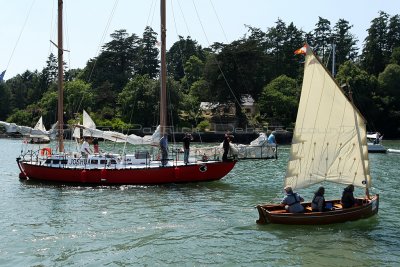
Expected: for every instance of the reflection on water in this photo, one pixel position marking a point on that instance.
(186, 224)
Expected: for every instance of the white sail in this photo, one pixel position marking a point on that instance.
(88, 123)
(329, 141)
(39, 131)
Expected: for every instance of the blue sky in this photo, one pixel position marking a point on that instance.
(207, 21)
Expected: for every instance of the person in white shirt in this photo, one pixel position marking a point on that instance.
(85, 148)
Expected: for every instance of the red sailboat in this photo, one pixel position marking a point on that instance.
(111, 169)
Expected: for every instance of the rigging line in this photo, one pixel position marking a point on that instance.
(234, 58)
(151, 10)
(19, 37)
(181, 53)
(223, 31)
(51, 29)
(67, 34)
(103, 37)
(219, 66)
(98, 48)
(183, 16)
(219, 21)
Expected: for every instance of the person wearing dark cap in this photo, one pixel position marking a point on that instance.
(186, 147)
(292, 201)
(164, 149)
(226, 145)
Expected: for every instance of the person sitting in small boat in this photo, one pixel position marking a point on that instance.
(348, 199)
(292, 201)
(318, 202)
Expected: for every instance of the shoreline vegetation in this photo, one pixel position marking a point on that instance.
(254, 80)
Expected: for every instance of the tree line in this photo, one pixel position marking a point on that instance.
(120, 87)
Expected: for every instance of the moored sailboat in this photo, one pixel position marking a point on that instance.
(108, 168)
(329, 145)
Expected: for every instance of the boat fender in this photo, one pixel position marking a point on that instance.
(46, 151)
(83, 176)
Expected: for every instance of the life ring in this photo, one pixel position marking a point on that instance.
(46, 151)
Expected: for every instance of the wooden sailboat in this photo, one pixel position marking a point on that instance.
(329, 145)
(108, 169)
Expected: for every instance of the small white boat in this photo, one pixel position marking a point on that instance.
(391, 150)
(375, 143)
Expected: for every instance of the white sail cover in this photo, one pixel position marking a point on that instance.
(37, 131)
(122, 138)
(89, 129)
(329, 142)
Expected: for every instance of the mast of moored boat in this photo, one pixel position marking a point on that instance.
(360, 146)
(60, 79)
(163, 74)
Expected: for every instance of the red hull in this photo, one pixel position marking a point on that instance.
(277, 214)
(208, 171)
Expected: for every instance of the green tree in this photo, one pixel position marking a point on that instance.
(393, 33)
(116, 62)
(179, 53)
(77, 95)
(21, 117)
(395, 58)
(48, 104)
(194, 68)
(148, 54)
(374, 55)
(389, 83)
(281, 42)
(140, 96)
(364, 88)
(50, 72)
(345, 42)
(5, 98)
(322, 38)
(279, 100)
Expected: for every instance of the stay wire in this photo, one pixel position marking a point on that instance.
(20, 33)
(181, 50)
(103, 37)
(234, 58)
(219, 66)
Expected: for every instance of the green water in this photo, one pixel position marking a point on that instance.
(199, 224)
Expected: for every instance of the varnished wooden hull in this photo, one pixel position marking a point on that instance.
(277, 214)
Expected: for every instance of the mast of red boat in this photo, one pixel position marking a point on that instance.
(163, 75)
(60, 79)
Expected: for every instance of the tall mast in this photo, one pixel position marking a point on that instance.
(163, 76)
(60, 79)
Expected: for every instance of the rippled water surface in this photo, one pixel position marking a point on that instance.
(197, 224)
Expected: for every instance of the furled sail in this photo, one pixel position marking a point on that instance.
(329, 141)
(37, 131)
